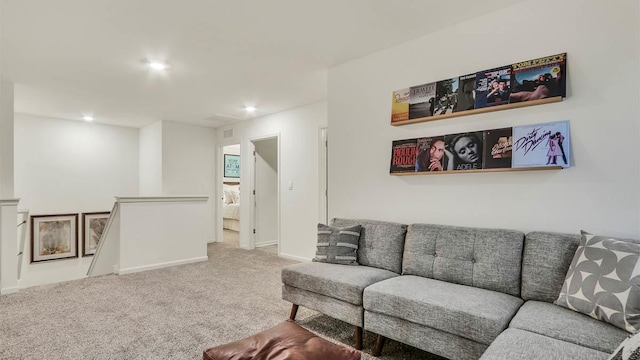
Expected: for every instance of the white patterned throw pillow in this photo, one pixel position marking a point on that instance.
(603, 281)
(628, 349)
(338, 245)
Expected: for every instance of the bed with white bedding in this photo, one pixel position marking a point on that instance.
(231, 207)
(231, 216)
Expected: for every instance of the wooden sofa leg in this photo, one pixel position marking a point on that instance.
(379, 344)
(358, 338)
(294, 311)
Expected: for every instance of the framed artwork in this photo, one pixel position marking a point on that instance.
(93, 225)
(54, 237)
(231, 166)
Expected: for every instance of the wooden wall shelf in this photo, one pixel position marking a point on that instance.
(477, 171)
(479, 111)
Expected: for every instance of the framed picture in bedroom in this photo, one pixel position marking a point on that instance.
(93, 225)
(231, 166)
(54, 237)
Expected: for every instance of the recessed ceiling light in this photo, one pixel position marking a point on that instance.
(250, 108)
(88, 118)
(158, 66)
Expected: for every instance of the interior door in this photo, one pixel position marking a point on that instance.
(266, 192)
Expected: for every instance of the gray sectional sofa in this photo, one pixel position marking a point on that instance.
(461, 293)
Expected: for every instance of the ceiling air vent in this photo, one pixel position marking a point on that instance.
(228, 133)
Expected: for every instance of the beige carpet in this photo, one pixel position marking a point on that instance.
(231, 237)
(172, 313)
(273, 249)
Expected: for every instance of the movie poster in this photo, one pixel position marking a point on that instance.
(465, 150)
(466, 98)
(400, 105)
(545, 144)
(421, 100)
(446, 96)
(498, 145)
(539, 78)
(431, 154)
(493, 87)
(403, 156)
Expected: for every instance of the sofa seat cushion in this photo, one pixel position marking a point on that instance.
(472, 313)
(342, 282)
(567, 325)
(516, 344)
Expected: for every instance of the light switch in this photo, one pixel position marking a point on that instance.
(290, 185)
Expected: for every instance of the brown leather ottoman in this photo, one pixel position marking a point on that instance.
(286, 341)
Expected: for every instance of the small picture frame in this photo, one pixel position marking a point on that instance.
(54, 237)
(93, 224)
(231, 166)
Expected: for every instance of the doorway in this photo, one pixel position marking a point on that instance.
(231, 194)
(266, 194)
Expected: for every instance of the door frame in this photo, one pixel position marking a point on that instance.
(251, 215)
(323, 174)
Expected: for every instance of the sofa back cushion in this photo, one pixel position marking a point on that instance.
(483, 258)
(380, 244)
(545, 262)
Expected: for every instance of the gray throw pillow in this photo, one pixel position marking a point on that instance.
(603, 281)
(338, 245)
(628, 349)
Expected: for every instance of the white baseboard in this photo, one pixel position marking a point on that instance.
(268, 243)
(132, 270)
(9, 290)
(293, 257)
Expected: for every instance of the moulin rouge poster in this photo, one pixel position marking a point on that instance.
(403, 155)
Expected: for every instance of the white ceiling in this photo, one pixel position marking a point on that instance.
(68, 58)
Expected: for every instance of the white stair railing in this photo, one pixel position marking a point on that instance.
(106, 256)
(23, 228)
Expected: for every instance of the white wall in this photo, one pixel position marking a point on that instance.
(64, 166)
(600, 193)
(298, 129)
(188, 160)
(8, 282)
(151, 159)
(179, 224)
(178, 159)
(6, 140)
(266, 175)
